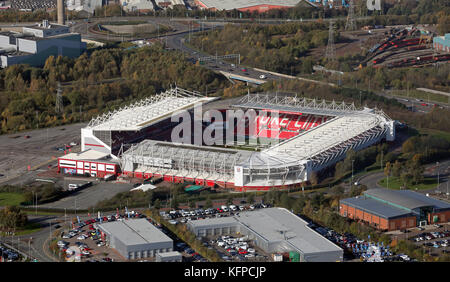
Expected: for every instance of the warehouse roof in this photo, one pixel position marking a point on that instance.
(134, 231)
(88, 154)
(276, 225)
(375, 207)
(239, 4)
(405, 198)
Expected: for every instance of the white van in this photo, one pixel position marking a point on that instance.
(73, 186)
(225, 208)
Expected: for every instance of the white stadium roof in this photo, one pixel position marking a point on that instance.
(146, 112)
(239, 4)
(324, 137)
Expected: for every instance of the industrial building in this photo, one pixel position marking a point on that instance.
(169, 257)
(395, 209)
(88, 6)
(259, 6)
(36, 43)
(274, 230)
(137, 5)
(135, 238)
(442, 43)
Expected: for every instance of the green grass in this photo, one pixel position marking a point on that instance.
(438, 133)
(11, 199)
(395, 183)
(28, 229)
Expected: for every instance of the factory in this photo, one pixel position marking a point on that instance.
(88, 6)
(36, 43)
(393, 210)
(138, 5)
(274, 230)
(136, 239)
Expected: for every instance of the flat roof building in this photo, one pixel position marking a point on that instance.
(395, 209)
(136, 238)
(169, 257)
(88, 162)
(36, 43)
(274, 230)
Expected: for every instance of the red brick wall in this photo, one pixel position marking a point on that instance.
(443, 217)
(378, 222)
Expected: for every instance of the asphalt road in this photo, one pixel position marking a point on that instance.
(371, 180)
(89, 196)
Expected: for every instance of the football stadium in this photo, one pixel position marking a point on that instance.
(260, 141)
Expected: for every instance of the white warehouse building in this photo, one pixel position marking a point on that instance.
(135, 238)
(274, 230)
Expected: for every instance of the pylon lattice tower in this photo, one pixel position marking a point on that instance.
(59, 107)
(351, 24)
(330, 53)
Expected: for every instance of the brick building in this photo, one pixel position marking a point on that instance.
(392, 210)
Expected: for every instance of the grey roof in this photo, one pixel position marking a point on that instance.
(238, 4)
(437, 204)
(169, 254)
(134, 232)
(276, 225)
(213, 222)
(405, 198)
(375, 207)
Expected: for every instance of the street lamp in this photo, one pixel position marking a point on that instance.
(351, 184)
(437, 167)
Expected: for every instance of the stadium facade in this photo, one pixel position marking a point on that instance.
(294, 137)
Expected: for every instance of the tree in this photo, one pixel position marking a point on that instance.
(208, 203)
(251, 198)
(230, 200)
(12, 217)
(396, 169)
(388, 169)
(157, 204)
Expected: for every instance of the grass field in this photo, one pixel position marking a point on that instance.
(395, 183)
(28, 229)
(11, 199)
(443, 134)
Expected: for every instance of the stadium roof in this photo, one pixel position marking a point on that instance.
(135, 231)
(323, 138)
(405, 199)
(148, 111)
(295, 104)
(375, 207)
(186, 160)
(239, 4)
